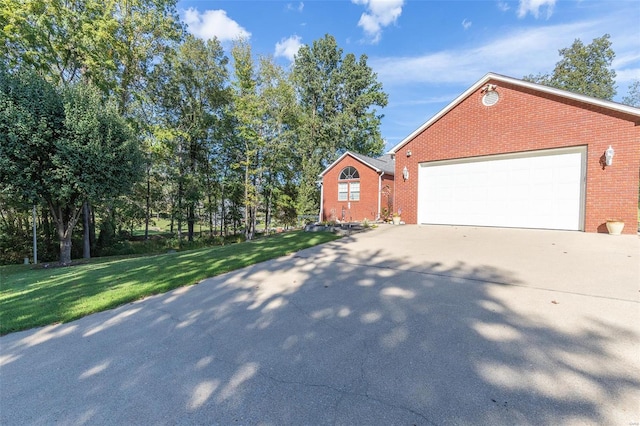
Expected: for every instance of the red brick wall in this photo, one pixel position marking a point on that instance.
(366, 207)
(525, 120)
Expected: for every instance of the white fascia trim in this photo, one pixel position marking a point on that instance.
(333, 164)
(377, 170)
(533, 86)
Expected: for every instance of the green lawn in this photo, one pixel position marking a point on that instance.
(157, 226)
(31, 297)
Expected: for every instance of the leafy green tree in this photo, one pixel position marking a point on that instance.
(248, 112)
(285, 209)
(279, 123)
(190, 92)
(338, 96)
(111, 44)
(15, 229)
(633, 95)
(584, 69)
(264, 110)
(360, 122)
(62, 147)
(147, 30)
(62, 40)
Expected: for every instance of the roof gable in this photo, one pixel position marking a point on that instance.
(383, 164)
(613, 106)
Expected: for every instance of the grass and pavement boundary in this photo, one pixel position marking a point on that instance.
(37, 296)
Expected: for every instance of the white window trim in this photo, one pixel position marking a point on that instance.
(352, 192)
(343, 195)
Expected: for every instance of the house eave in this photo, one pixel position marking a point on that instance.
(371, 166)
(613, 106)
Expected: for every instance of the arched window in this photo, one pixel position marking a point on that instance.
(349, 173)
(349, 190)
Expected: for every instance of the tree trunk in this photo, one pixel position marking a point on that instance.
(46, 228)
(92, 229)
(223, 223)
(148, 203)
(191, 221)
(65, 249)
(247, 203)
(254, 219)
(211, 219)
(267, 213)
(86, 243)
(180, 213)
(66, 220)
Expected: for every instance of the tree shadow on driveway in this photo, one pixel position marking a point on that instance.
(333, 335)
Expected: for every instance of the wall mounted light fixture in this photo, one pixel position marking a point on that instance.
(405, 173)
(608, 155)
(409, 153)
(488, 88)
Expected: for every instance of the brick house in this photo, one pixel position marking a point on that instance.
(356, 187)
(511, 153)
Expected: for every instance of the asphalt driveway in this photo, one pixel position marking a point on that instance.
(400, 325)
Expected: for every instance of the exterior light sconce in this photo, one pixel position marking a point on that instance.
(405, 173)
(489, 95)
(488, 88)
(409, 153)
(608, 156)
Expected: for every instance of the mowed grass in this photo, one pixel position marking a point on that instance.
(32, 297)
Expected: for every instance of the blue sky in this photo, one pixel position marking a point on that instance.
(426, 53)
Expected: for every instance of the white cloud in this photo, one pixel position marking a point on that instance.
(428, 100)
(516, 54)
(466, 24)
(299, 7)
(213, 23)
(503, 6)
(379, 14)
(288, 47)
(534, 6)
(625, 77)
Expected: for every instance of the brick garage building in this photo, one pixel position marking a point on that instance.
(517, 154)
(356, 187)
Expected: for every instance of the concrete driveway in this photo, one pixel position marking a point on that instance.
(400, 325)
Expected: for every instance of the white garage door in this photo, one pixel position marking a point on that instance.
(541, 189)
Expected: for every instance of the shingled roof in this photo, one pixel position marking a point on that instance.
(385, 163)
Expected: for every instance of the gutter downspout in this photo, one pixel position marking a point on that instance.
(395, 193)
(379, 193)
(321, 201)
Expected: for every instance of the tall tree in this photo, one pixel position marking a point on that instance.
(584, 69)
(360, 122)
(248, 113)
(190, 90)
(338, 97)
(279, 123)
(63, 147)
(147, 30)
(111, 44)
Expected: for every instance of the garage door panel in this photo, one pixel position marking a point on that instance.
(542, 176)
(535, 190)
